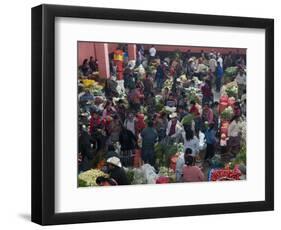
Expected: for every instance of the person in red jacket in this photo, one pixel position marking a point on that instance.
(98, 130)
(195, 111)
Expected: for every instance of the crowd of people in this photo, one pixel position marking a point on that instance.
(147, 101)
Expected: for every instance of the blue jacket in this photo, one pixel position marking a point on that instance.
(210, 136)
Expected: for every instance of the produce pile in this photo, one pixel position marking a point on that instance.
(165, 150)
(88, 178)
(231, 71)
(146, 174)
(227, 113)
(224, 174)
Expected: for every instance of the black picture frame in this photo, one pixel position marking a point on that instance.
(43, 113)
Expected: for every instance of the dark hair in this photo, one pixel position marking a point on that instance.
(108, 102)
(189, 160)
(215, 104)
(85, 61)
(189, 134)
(211, 125)
(102, 179)
(192, 102)
(188, 151)
(149, 123)
(163, 114)
(234, 118)
(115, 116)
(208, 82)
(110, 148)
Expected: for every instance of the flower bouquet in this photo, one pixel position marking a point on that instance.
(227, 113)
(193, 94)
(196, 81)
(168, 83)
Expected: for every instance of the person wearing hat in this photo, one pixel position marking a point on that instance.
(174, 128)
(190, 68)
(116, 171)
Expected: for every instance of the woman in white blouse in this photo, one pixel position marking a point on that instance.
(234, 136)
(190, 141)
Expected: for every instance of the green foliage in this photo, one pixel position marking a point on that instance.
(187, 120)
(227, 113)
(82, 183)
(130, 176)
(232, 91)
(241, 156)
(164, 152)
(176, 55)
(230, 71)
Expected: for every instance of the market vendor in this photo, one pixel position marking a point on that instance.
(85, 100)
(118, 58)
(219, 76)
(135, 98)
(128, 142)
(160, 123)
(116, 171)
(207, 92)
(174, 128)
(97, 130)
(165, 93)
(191, 172)
(211, 140)
(114, 129)
(234, 136)
(130, 123)
(207, 114)
(159, 76)
(149, 137)
(241, 81)
(85, 150)
(195, 111)
(171, 101)
(93, 64)
(108, 110)
(191, 141)
(180, 163)
(104, 181)
(85, 68)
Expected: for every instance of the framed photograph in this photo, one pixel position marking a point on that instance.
(145, 114)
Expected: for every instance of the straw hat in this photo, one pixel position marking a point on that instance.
(173, 115)
(114, 161)
(190, 59)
